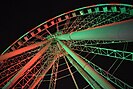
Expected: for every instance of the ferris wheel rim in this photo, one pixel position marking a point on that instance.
(55, 18)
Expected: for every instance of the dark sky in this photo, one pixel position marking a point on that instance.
(19, 16)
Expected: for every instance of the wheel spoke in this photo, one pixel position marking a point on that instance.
(53, 79)
(71, 74)
(26, 67)
(108, 76)
(87, 68)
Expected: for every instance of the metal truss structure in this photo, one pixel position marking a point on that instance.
(66, 45)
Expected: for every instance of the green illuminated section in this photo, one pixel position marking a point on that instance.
(89, 9)
(108, 76)
(123, 10)
(81, 12)
(119, 31)
(97, 9)
(100, 80)
(114, 9)
(131, 12)
(91, 82)
(106, 52)
(94, 42)
(105, 9)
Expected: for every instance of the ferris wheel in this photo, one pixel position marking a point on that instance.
(72, 46)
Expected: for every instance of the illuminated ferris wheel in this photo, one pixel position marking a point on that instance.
(71, 45)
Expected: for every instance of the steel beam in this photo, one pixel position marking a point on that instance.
(108, 76)
(94, 42)
(100, 80)
(53, 78)
(50, 63)
(124, 55)
(76, 85)
(116, 31)
(21, 50)
(26, 67)
(91, 82)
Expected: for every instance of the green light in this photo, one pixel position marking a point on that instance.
(131, 12)
(81, 12)
(97, 9)
(89, 11)
(106, 52)
(87, 68)
(114, 9)
(105, 9)
(108, 76)
(123, 10)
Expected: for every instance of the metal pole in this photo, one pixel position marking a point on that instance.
(116, 31)
(53, 78)
(21, 50)
(26, 67)
(91, 82)
(100, 80)
(40, 77)
(76, 85)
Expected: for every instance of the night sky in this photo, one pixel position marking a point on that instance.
(19, 16)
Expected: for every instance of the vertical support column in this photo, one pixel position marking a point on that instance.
(26, 67)
(100, 80)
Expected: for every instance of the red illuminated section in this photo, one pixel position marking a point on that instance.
(21, 50)
(26, 67)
